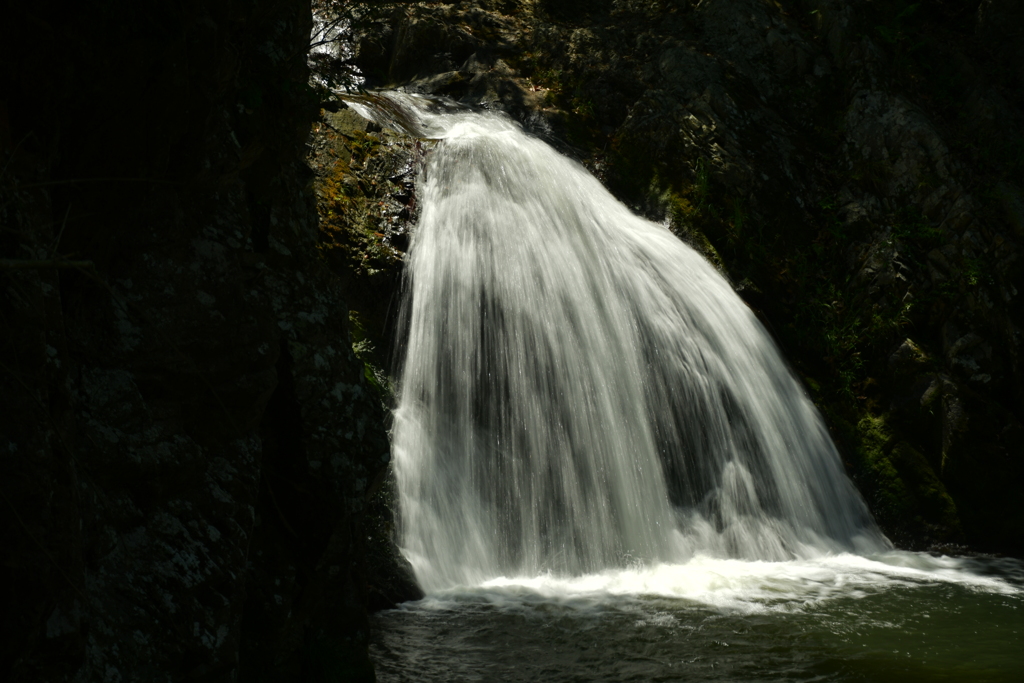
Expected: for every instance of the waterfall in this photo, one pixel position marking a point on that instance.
(582, 391)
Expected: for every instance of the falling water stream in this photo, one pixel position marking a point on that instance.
(607, 471)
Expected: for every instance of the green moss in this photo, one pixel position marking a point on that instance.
(909, 225)
(350, 199)
(366, 351)
(904, 493)
(929, 493)
(682, 216)
(890, 499)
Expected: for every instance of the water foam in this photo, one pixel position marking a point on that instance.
(741, 586)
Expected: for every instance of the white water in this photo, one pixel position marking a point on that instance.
(732, 586)
(582, 393)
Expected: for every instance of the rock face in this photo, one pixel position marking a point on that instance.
(853, 166)
(187, 443)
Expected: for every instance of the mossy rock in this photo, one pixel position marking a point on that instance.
(929, 494)
(887, 493)
(906, 496)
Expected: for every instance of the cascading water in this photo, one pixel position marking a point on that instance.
(580, 389)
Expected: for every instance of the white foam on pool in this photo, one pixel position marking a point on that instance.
(738, 586)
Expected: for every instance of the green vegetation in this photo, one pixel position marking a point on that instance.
(374, 362)
(904, 493)
(349, 220)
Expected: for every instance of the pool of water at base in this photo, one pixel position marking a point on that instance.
(895, 617)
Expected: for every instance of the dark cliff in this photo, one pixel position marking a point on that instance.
(187, 442)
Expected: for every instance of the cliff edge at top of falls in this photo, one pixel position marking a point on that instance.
(854, 168)
(187, 442)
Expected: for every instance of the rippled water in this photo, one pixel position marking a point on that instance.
(895, 617)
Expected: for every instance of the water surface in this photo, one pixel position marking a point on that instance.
(897, 617)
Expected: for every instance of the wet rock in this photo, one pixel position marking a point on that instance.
(907, 358)
(189, 441)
